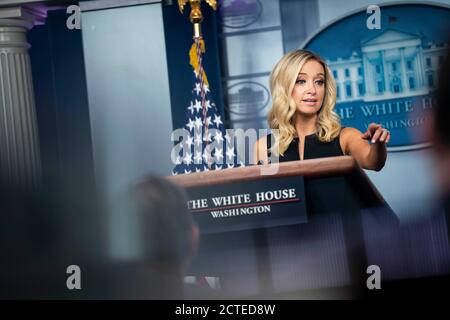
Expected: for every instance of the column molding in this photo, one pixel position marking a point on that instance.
(421, 69)
(385, 74)
(19, 143)
(403, 71)
(368, 77)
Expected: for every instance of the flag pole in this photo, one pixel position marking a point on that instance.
(196, 18)
(201, 111)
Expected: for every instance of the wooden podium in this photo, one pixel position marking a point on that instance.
(326, 251)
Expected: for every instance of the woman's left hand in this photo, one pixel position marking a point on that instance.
(376, 133)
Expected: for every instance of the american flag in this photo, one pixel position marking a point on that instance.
(206, 145)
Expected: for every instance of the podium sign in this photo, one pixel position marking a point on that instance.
(248, 204)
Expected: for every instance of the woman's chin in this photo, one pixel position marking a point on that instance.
(308, 111)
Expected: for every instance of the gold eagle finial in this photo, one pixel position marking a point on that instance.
(196, 16)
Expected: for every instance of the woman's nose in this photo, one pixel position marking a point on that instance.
(311, 88)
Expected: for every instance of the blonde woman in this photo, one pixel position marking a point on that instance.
(303, 98)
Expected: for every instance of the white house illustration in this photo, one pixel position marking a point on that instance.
(391, 65)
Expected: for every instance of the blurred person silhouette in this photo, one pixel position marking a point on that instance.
(439, 134)
(163, 237)
(167, 235)
(415, 260)
(35, 250)
(166, 240)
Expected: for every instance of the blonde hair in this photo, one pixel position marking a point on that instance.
(281, 115)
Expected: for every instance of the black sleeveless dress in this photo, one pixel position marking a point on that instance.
(313, 148)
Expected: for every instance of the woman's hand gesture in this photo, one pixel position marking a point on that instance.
(376, 134)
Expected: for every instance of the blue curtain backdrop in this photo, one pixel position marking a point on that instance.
(62, 111)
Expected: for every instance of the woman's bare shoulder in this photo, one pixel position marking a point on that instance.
(349, 131)
(347, 137)
(262, 142)
(260, 150)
